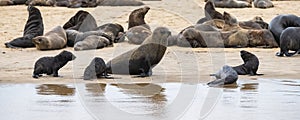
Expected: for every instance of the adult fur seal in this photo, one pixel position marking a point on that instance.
(51, 65)
(82, 21)
(34, 27)
(137, 16)
(141, 60)
(289, 40)
(114, 30)
(210, 13)
(231, 3)
(120, 3)
(96, 69)
(227, 75)
(263, 4)
(54, 39)
(137, 34)
(75, 36)
(281, 22)
(250, 65)
(92, 42)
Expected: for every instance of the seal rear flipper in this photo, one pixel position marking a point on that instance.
(290, 54)
(217, 82)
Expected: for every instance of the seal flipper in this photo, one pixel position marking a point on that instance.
(286, 53)
(217, 82)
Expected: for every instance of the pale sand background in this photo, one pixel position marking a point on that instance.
(178, 65)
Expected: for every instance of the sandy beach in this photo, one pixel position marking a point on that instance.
(189, 65)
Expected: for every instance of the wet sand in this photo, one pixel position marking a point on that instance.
(178, 65)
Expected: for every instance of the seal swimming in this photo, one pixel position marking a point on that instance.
(227, 75)
(54, 39)
(289, 40)
(34, 27)
(51, 65)
(250, 65)
(141, 60)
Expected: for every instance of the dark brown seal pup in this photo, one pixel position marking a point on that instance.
(289, 40)
(141, 60)
(227, 75)
(82, 21)
(250, 65)
(54, 39)
(210, 13)
(92, 42)
(34, 27)
(96, 69)
(137, 34)
(263, 4)
(51, 65)
(281, 22)
(137, 16)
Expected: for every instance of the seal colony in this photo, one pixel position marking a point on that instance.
(216, 29)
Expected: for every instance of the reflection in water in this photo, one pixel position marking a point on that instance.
(55, 89)
(259, 100)
(96, 89)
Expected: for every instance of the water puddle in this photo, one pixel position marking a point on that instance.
(248, 99)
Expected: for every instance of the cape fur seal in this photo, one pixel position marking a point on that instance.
(137, 34)
(82, 21)
(231, 3)
(96, 69)
(227, 75)
(137, 16)
(141, 60)
(51, 65)
(120, 3)
(92, 42)
(114, 30)
(289, 40)
(250, 65)
(34, 27)
(210, 13)
(281, 22)
(75, 36)
(54, 39)
(263, 4)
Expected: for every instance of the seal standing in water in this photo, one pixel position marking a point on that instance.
(227, 75)
(51, 65)
(96, 69)
(281, 22)
(250, 65)
(54, 39)
(82, 21)
(141, 60)
(34, 27)
(289, 40)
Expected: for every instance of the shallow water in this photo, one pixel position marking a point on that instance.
(248, 99)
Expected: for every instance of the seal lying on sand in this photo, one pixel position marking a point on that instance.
(82, 21)
(231, 3)
(54, 39)
(227, 75)
(250, 65)
(281, 22)
(75, 36)
(263, 4)
(114, 30)
(120, 3)
(51, 65)
(289, 40)
(34, 27)
(141, 60)
(96, 69)
(92, 42)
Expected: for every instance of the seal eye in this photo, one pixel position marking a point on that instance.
(40, 40)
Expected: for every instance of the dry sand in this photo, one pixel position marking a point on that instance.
(178, 65)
